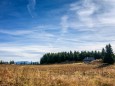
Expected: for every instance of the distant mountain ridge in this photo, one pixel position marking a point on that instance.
(23, 62)
(26, 62)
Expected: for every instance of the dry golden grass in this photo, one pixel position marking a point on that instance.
(57, 75)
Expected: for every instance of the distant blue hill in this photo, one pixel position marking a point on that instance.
(22, 62)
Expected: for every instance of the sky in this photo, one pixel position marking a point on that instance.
(31, 28)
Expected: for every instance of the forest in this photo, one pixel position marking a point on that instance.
(106, 55)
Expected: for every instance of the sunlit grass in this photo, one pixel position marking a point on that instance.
(57, 75)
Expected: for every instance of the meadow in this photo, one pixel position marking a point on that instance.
(76, 74)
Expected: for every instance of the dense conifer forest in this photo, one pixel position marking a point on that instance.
(106, 55)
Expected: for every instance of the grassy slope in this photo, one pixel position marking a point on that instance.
(57, 75)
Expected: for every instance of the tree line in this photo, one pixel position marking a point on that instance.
(21, 63)
(106, 55)
(5, 62)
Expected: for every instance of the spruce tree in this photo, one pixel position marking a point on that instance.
(109, 56)
(103, 53)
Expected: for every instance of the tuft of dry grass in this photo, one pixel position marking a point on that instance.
(57, 75)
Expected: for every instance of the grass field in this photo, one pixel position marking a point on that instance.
(77, 74)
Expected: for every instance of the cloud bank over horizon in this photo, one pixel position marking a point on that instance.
(29, 28)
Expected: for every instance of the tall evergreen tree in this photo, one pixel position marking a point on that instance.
(109, 56)
(103, 53)
(1, 62)
(11, 62)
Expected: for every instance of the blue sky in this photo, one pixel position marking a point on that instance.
(30, 28)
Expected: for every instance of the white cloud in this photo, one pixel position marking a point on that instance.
(91, 14)
(85, 13)
(15, 32)
(64, 23)
(95, 16)
(35, 32)
(94, 22)
(31, 53)
(31, 7)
